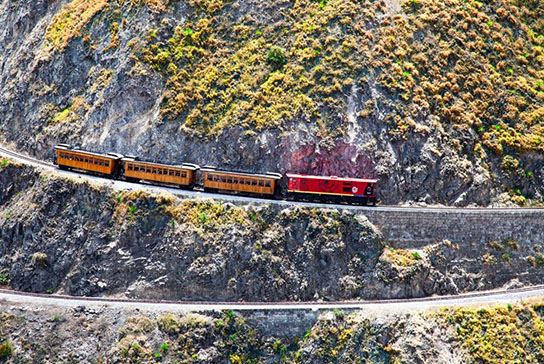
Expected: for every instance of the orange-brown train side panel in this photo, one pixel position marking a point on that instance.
(86, 161)
(225, 181)
(159, 173)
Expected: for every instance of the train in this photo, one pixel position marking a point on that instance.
(299, 187)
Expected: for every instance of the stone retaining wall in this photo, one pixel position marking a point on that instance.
(405, 228)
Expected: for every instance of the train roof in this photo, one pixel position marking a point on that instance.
(70, 149)
(332, 178)
(269, 175)
(189, 166)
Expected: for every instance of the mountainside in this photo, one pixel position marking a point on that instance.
(443, 101)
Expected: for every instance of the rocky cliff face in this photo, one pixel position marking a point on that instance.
(442, 101)
(99, 334)
(68, 236)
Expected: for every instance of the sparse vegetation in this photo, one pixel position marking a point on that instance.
(401, 257)
(500, 334)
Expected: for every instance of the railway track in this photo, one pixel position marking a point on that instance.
(120, 185)
(424, 302)
(9, 153)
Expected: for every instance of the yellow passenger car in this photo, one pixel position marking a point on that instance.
(241, 182)
(183, 175)
(68, 158)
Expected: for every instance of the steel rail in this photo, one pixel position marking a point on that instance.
(537, 290)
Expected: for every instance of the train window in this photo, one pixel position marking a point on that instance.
(159, 171)
(267, 184)
(142, 169)
(215, 178)
(107, 163)
(346, 189)
(248, 182)
(95, 161)
(171, 172)
(148, 170)
(261, 184)
(130, 167)
(154, 171)
(223, 179)
(235, 181)
(177, 174)
(210, 177)
(101, 163)
(254, 182)
(86, 160)
(229, 180)
(184, 174)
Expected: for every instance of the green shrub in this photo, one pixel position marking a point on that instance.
(4, 277)
(5, 350)
(338, 313)
(539, 259)
(40, 259)
(276, 57)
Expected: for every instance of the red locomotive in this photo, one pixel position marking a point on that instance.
(333, 189)
(300, 187)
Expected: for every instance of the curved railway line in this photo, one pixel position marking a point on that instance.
(410, 303)
(433, 301)
(118, 184)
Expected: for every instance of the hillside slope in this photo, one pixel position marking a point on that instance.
(443, 101)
